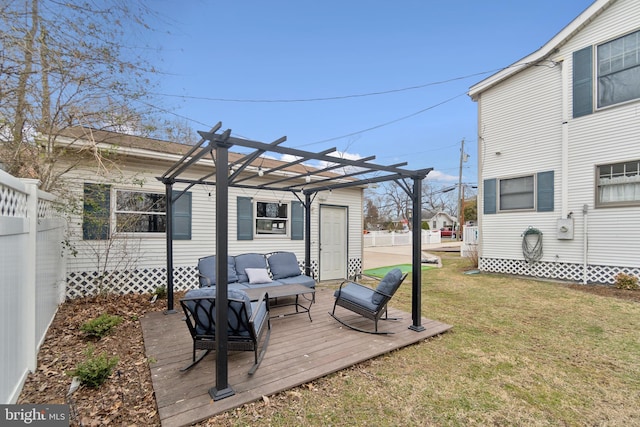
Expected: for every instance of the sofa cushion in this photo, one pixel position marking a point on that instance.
(283, 264)
(245, 261)
(300, 279)
(258, 275)
(388, 285)
(207, 268)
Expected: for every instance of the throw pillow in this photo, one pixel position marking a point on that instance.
(258, 275)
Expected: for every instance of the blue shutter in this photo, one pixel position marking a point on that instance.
(96, 224)
(245, 218)
(582, 82)
(545, 191)
(297, 221)
(181, 216)
(489, 191)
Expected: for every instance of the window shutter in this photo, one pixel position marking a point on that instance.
(96, 224)
(582, 82)
(181, 216)
(545, 191)
(297, 221)
(489, 188)
(245, 218)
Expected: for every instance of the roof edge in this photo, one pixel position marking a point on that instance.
(590, 13)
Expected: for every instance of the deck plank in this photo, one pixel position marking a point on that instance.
(299, 351)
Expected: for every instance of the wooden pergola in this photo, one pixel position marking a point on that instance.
(243, 173)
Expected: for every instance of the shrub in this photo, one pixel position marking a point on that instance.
(101, 325)
(161, 291)
(626, 281)
(95, 369)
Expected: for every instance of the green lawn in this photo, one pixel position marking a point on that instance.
(521, 352)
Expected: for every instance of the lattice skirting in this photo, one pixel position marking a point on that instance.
(603, 274)
(354, 267)
(140, 281)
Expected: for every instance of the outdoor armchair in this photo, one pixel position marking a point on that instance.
(248, 323)
(368, 302)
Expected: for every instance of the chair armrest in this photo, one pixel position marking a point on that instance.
(348, 282)
(200, 275)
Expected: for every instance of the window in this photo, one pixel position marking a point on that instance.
(619, 70)
(523, 193)
(618, 184)
(140, 212)
(517, 193)
(132, 212)
(272, 218)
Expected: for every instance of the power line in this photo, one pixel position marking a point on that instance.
(384, 124)
(328, 98)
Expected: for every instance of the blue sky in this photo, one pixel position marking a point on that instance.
(298, 51)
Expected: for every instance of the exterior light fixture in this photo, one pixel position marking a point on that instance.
(307, 179)
(260, 172)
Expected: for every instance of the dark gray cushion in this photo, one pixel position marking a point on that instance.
(248, 261)
(207, 268)
(283, 264)
(388, 285)
(357, 294)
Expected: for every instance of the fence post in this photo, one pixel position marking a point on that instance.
(30, 265)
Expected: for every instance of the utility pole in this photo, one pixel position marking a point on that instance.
(463, 158)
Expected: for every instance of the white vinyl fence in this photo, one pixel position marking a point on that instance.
(393, 238)
(32, 278)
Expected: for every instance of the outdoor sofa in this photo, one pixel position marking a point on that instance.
(254, 270)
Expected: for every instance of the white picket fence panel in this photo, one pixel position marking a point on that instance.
(393, 238)
(32, 278)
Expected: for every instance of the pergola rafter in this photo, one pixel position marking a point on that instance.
(278, 178)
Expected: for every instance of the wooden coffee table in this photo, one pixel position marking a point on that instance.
(282, 291)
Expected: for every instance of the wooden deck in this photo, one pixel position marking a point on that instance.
(299, 352)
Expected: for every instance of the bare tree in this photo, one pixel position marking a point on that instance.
(71, 63)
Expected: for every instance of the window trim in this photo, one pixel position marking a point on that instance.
(115, 212)
(622, 204)
(288, 219)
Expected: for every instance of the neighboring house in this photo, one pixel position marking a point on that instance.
(441, 220)
(120, 233)
(559, 151)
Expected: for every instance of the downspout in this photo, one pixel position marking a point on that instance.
(585, 245)
(564, 175)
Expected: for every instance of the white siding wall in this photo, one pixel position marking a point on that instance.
(522, 119)
(150, 250)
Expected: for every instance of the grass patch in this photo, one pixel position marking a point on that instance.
(381, 271)
(521, 352)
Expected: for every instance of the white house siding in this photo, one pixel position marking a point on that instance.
(533, 144)
(147, 263)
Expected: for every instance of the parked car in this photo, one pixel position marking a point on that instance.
(448, 232)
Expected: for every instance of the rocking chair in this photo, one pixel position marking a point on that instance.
(368, 302)
(247, 323)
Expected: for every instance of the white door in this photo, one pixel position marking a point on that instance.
(333, 242)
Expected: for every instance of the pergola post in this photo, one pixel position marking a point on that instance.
(307, 234)
(169, 237)
(416, 270)
(222, 388)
